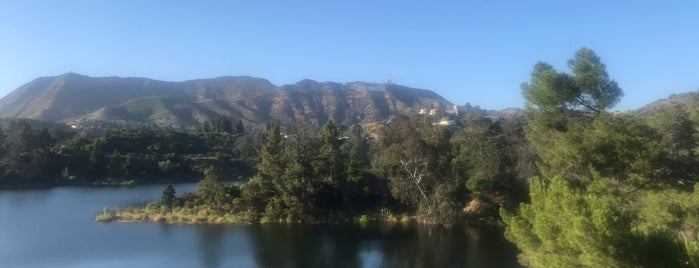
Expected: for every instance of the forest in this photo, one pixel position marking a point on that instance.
(573, 182)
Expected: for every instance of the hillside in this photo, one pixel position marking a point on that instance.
(73, 98)
(689, 102)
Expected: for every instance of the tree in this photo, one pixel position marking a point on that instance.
(28, 150)
(587, 92)
(168, 197)
(18, 140)
(239, 127)
(210, 190)
(271, 164)
(566, 227)
(677, 131)
(671, 216)
(599, 201)
(300, 187)
(257, 193)
(415, 156)
(560, 106)
(329, 160)
(329, 168)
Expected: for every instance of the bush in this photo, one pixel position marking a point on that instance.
(107, 215)
(153, 207)
(363, 219)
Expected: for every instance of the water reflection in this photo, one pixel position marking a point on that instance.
(54, 228)
(210, 244)
(385, 245)
(303, 246)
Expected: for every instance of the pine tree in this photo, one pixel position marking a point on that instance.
(328, 164)
(560, 106)
(168, 196)
(271, 156)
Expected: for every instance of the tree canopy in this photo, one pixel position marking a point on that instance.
(609, 194)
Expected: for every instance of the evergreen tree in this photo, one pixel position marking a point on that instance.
(239, 127)
(257, 194)
(564, 227)
(560, 106)
(271, 154)
(168, 197)
(222, 125)
(598, 202)
(329, 161)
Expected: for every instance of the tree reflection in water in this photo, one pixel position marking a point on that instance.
(385, 245)
(211, 244)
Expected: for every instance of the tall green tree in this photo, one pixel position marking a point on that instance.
(168, 197)
(257, 194)
(299, 186)
(210, 190)
(271, 155)
(559, 106)
(588, 91)
(329, 160)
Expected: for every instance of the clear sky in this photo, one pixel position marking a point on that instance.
(467, 51)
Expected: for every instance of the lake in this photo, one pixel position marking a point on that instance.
(55, 228)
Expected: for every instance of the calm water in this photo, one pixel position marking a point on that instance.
(54, 228)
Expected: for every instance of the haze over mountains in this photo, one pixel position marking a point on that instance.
(75, 98)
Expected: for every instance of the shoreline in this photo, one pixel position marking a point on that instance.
(129, 183)
(202, 216)
(137, 214)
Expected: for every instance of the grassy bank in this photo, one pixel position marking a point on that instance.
(177, 215)
(154, 212)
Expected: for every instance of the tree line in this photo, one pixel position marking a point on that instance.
(52, 154)
(407, 166)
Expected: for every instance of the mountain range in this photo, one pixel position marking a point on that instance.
(74, 98)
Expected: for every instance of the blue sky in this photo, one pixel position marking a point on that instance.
(467, 51)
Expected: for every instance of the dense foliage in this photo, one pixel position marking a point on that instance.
(409, 165)
(616, 189)
(55, 155)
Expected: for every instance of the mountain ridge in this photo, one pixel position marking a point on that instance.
(73, 97)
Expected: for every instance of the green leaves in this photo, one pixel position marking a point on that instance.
(210, 190)
(674, 216)
(597, 91)
(168, 197)
(610, 195)
(555, 99)
(566, 227)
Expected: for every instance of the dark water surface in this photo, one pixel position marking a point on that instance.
(54, 228)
